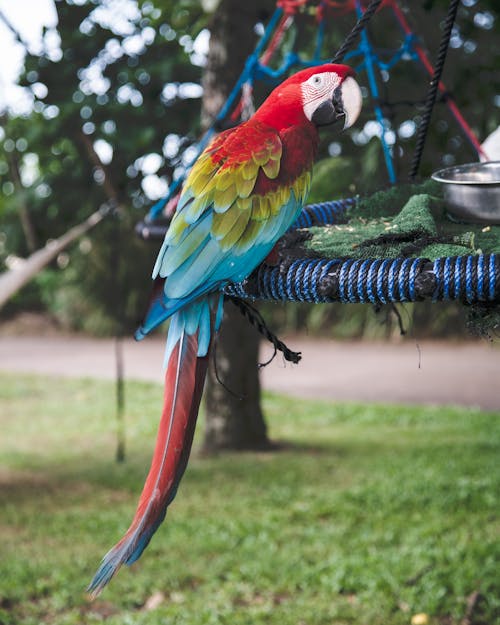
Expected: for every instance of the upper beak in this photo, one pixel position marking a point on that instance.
(347, 101)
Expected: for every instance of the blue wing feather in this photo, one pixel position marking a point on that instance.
(208, 267)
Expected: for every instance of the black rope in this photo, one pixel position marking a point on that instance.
(433, 88)
(256, 319)
(219, 379)
(117, 285)
(353, 35)
(399, 319)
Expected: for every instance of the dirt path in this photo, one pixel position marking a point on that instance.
(463, 374)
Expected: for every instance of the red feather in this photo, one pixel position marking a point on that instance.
(184, 380)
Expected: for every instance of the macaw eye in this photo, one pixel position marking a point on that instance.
(317, 80)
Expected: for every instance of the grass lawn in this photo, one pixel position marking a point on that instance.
(368, 515)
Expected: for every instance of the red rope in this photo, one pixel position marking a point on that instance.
(237, 111)
(283, 26)
(290, 7)
(347, 6)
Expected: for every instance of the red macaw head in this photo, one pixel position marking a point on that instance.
(321, 95)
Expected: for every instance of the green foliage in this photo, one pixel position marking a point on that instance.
(108, 85)
(365, 514)
(332, 179)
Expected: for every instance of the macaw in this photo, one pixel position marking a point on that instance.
(242, 194)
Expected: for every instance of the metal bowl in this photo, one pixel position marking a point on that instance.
(472, 192)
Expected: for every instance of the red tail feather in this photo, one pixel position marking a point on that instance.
(184, 380)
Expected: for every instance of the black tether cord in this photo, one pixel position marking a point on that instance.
(256, 319)
(433, 88)
(353, 35)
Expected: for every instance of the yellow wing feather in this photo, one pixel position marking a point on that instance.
(226, 184)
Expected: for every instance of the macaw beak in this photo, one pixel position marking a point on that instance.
(347, 101)
(344, 105)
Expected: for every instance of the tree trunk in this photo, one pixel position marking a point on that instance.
(234, 418)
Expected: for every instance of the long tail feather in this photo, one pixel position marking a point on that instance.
(184, 380)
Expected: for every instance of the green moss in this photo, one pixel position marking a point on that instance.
(407, 220)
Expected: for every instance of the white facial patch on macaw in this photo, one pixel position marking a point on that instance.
(317, 89)
(326, 98)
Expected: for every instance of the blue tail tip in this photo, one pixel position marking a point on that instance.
(102, 577)
(139, 334)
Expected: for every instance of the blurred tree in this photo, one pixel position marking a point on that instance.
(108, 121)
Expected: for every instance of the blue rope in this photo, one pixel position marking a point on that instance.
(381, 278)
(404, 295)
(344, 270)
(466, 278)
(292, 59)
(291, 277)
(493, 277)
(363, 273)
(319, 40)
(371, 60)
(371, 281)
(480, 277)
(351, 284)
(414, 267)
(469, 280)
(317, 271)
(324, 213)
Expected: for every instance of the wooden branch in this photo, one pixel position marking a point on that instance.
(14, 279)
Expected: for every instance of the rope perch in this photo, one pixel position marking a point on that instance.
(469, 279)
